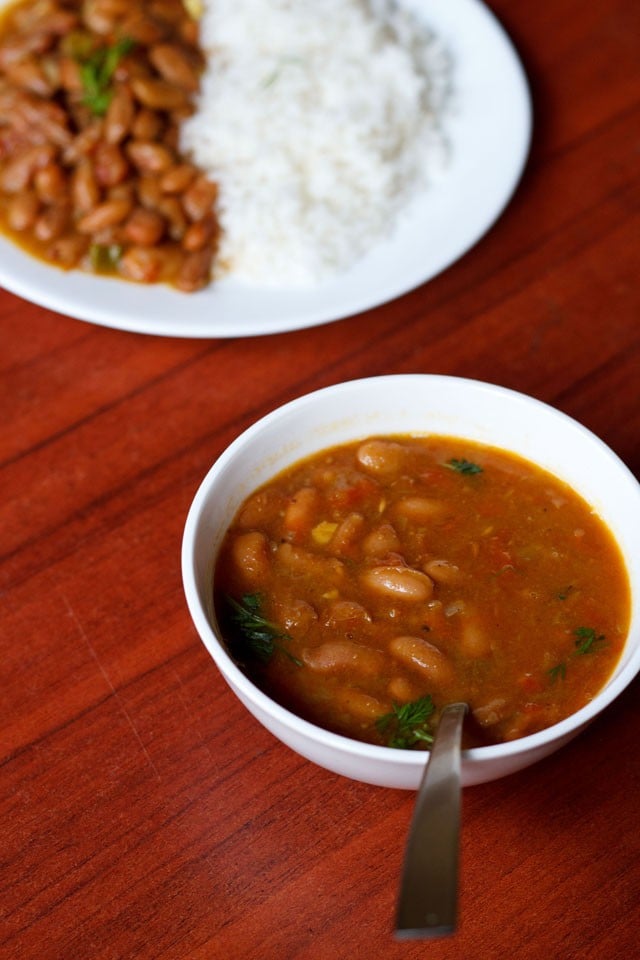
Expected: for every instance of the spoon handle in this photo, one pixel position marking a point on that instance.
(427, 905)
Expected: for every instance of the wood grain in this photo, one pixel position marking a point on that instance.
(143, 813)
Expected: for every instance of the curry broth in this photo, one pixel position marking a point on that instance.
(390, 576)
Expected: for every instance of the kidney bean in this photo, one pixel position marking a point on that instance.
(142, 264)
(360, 705)
(337, 656)
(341, 612)
(85, 192)
(69, 74)
(345, 540)
(106, 214)
(171, 135)
(250, 556)
(150, 157)
(299, 515)
(29, 75)
(171, 210)
(85, 142)
(474, 640)
(50, 182)
(110, 165)
(18, 172)
(296, 616)
(177, 178)
(52, 222)
(188, 30)
(175, 65)
(299, 562)
(167, 11)
(22, 210)
(68, 249)
(195, 271)
(119, 117)
(148, 191)
(383, 457)
(442, 571)
(488, 714)
(254, 509)
(420, 510)
(144, 227)
(147, 125)
(145, 29)
(41, 122)
(199, 198)
(123, 191)
(55, 21)
(99, 17)
(401, 690)
(16, 49)
(381, 541)
(157, 94)
(200, 234)
(398, 583)
(423, 657)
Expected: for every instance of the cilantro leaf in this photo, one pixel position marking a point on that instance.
(558, 672)
(408, 723)
(96, 73)
(262, 635)
(465, 467)
(587, 640)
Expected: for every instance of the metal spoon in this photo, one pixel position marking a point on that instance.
(427, 905)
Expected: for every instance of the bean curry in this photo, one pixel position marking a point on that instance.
(367, 586)
(92, 95)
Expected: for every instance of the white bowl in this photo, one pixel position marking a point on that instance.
(408, 404)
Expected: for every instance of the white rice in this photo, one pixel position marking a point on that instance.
(320, 120)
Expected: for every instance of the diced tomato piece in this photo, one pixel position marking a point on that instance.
(353, 494)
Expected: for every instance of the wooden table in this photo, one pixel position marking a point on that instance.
(143, 813)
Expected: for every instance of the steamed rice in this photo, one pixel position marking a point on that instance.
(320, 120)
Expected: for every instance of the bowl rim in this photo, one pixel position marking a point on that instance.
(240, 682)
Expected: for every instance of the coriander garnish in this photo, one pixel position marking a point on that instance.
(587, 640)
(262, 635)
(463, 466)
(558, 672)
(408, 723)
(96, 73)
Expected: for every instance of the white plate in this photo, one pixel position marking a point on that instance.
(489, 135)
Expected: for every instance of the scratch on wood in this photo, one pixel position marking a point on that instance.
(107, 680)
(188, 713)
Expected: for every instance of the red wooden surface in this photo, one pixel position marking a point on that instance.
(143, 813)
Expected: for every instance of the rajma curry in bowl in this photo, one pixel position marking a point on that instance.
(370, 552)
(373, 583)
